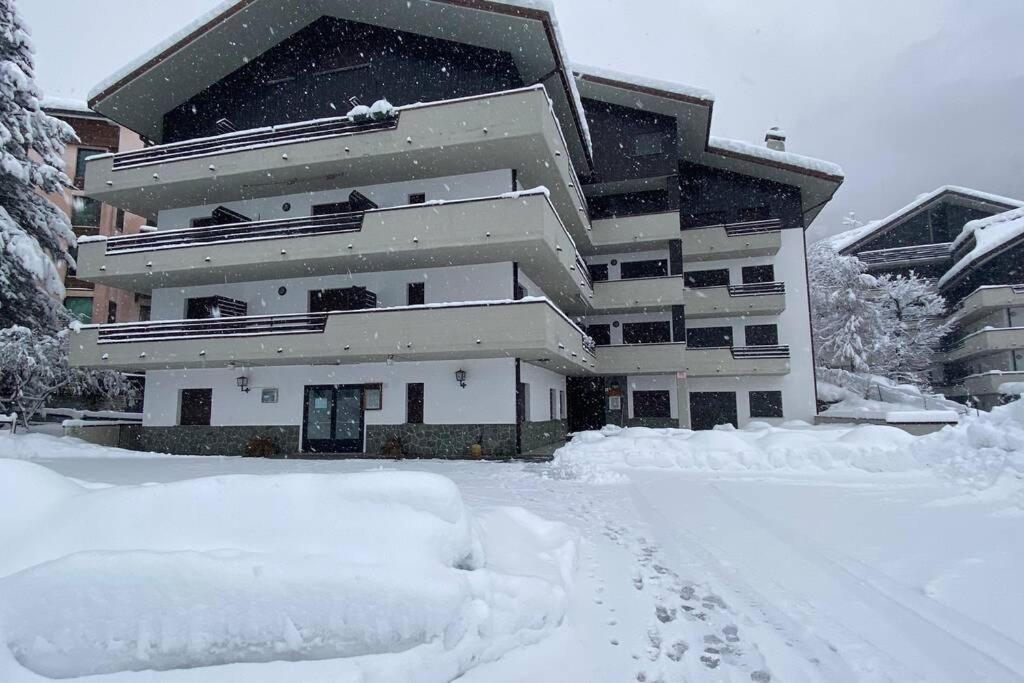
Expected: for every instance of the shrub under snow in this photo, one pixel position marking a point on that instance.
(380, 576)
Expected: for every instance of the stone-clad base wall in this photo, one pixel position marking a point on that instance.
(444, 441)
(654, 422)
(537, 434)
(195, 440)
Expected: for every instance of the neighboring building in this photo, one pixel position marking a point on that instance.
(430, 275)
(97, 135)
(972, 244)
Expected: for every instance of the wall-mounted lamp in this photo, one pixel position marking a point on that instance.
(460, 377)
(243, 384)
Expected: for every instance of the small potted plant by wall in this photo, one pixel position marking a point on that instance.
(476, 451)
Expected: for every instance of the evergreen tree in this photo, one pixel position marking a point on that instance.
(34, 234)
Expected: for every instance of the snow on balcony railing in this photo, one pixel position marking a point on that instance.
(253, 230)
(921, 252)
(757, 289)
(760, 352)
(305, 131)
(733, 229)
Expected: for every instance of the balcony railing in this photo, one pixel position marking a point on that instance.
(262, 137)
(757, 289)
(923, 252)
(735, 229)
(760, 352)
(263, 325)
(189, 237)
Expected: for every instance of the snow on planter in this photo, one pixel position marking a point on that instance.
(378, 576)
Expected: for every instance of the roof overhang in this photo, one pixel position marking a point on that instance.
(693, 110)
(241, 30)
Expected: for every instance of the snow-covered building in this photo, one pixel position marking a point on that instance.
(96, 135)
(972, 244)
(490, 247)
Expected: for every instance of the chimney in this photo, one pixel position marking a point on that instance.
(775, 139)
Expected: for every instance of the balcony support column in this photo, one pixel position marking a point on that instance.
(683, 400)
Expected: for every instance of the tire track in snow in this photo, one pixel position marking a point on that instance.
(974, 653)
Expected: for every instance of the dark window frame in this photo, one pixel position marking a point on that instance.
(418, 198)
(752, 335)
(766, 404)
(77, 220)
(202, 416)
(416, 293)
(758, 274)
(604, 333)
(111, 312)
(598, 272)
(705, 279)
(662, 332)
(654, 404)
(702, 337)
(367, 388)
(639, 270)
(81, 154)
(415, 402)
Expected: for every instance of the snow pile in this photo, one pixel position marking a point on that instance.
(985, 452)
(36, 446)
(794, 446)
(378, 576)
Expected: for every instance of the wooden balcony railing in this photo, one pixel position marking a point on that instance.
(249, 139)
(253, 230)
(757, 289)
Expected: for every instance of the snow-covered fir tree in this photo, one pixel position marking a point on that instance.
(34, 234)
(848, 324)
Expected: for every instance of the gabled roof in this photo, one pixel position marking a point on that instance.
(849, 241)
(219, 42)
(992, 236)
(693, 109)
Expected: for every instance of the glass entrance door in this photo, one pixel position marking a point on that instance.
(333, 420)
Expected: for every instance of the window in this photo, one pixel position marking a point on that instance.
(208, 307)
(553, 404)
(647, 333)
(416, 293)
(766, 404)
(414, 404)
(632, 270)
(348, 299)
(80, 308)
(111, 312)
(220, 216)
(646, 144)
(82, 155)
(119, 221)
(85, 212)
(269, 396)
(519, 292)
(333, 207)
(756, 274)
(598, 272)
(709, 337)
(418, 198)
(196, 406)
(762, 335)
(145, 313)
(755, 213)
(561, 404)
(652, 404)
(601, 334)
(373, 397)
(697, 279)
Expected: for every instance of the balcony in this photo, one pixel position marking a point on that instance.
(635, 233)
(763, 298)
(514, 129)
(984, 300)
(987, 341)
(641, 359)
(732, 240)
(642, 294)
(531, 329)
(523, 228)
(902, 257)
(737, 361)
(984, 384)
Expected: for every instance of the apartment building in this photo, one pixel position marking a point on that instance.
(491, 247)
(89, 217)
(972, 244)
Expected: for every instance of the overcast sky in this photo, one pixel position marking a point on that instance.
(906, 95)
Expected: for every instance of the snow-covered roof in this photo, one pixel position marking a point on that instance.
(990, 234)
(667, 87)
(796, 162)
(238, 44)
(66, 104)
(845, 240)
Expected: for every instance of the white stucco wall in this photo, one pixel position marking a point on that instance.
(491, 281)
(541, 381)
(466, 186)
(489, 396)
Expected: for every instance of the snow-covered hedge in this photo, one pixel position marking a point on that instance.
(378, 577)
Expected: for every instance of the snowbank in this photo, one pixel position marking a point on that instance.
(36, 446)
(378, 576)
(759, 447)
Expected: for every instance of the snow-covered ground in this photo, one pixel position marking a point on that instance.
(775, 553)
